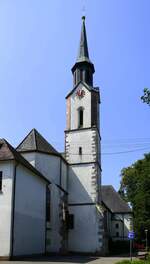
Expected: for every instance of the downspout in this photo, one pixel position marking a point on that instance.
(13, 211)
(123, 226)
(47, 186)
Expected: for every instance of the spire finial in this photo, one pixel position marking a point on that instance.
(83, 18)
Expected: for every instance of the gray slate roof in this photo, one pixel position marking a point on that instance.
(83, 54)
(113, 201)
(7, 152)
(34, 141)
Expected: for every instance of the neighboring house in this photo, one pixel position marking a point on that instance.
(118, 214)
(54, 203)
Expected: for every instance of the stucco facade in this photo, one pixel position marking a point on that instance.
(55, 169)
(22, 205)
(29, 215)
(6, 207)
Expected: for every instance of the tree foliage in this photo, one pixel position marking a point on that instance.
(135, 189)
(146, 96)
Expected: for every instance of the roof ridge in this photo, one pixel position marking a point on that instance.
(25, 138)
(38, 134)
(35, 135)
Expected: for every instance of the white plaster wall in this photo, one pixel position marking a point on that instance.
(6, 207)
(85, 102)
(54, 240)
(85, 236)
(49, 165)
(29, 221)
(81, 189)
(84, 139)
(127, 224)
(53, 167)
(30, 157)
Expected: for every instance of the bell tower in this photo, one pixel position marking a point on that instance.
(82, 149)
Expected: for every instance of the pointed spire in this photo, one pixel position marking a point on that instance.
(83, 68)
(83, 54)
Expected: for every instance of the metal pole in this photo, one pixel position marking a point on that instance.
(146, 238)
(131, 249)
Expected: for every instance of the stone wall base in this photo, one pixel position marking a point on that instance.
(4, 258)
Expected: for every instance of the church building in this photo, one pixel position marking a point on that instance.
(55, 203)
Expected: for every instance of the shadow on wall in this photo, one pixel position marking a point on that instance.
(77, 191)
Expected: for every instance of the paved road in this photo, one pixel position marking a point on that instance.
(69, 260)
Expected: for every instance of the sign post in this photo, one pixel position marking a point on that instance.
(131, 236)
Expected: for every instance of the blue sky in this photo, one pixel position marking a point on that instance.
(38, 46)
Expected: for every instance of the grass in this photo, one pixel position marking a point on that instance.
(135, 261)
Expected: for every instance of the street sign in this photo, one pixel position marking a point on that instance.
(131, 235)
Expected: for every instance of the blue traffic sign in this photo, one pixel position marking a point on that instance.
(131, 235)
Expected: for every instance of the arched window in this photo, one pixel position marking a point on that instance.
(80, 117)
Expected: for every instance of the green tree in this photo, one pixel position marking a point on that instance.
(146, 96)
(135, 189)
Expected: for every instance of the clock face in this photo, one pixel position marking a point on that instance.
(80, 93)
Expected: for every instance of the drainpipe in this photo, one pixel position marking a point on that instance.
(13, 210)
